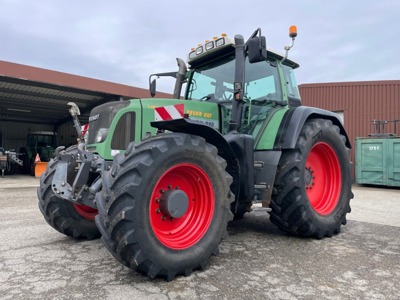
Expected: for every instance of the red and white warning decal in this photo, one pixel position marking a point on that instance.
(169, 112)
(84, 129)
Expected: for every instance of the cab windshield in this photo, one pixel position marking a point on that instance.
(215, 82)
(262, 91)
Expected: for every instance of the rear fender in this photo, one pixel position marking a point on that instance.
(293, 121)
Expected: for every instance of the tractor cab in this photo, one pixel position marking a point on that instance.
(268, 84)
(40, 145)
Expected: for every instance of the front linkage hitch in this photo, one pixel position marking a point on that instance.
(85, 162)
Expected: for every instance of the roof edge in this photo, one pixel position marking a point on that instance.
(25, 72)
(350, 83)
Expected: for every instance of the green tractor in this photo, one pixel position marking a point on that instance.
(159, 179)
(40, 145)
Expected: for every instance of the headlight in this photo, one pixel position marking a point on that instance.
(199, 50)
(101, 135)
(192, 55)
(220, 42)
(209, 45)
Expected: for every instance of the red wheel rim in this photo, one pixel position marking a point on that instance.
(86, 211)
(185, 231)
(323, 179)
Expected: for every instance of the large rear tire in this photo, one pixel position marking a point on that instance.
(64, 216)
(165, 205)
(312, 189)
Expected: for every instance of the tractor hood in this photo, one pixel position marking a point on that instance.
(113, 125)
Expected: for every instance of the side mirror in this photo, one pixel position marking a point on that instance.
(257, 49)
(153, 88)
(152, 84)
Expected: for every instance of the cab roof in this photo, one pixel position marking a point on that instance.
(223, 47)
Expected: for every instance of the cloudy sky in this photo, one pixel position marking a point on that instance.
(125, 41)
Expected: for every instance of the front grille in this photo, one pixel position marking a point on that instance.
(124, 132)
(102, 116)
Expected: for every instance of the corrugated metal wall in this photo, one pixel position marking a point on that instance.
(361, 103)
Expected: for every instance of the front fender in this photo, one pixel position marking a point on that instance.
(211, 135)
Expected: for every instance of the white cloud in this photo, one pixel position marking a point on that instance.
(125, 41)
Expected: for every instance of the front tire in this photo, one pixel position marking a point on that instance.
(164, 206)
(69, 218)
(312, 188)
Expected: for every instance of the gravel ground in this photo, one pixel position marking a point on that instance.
(257, 261)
